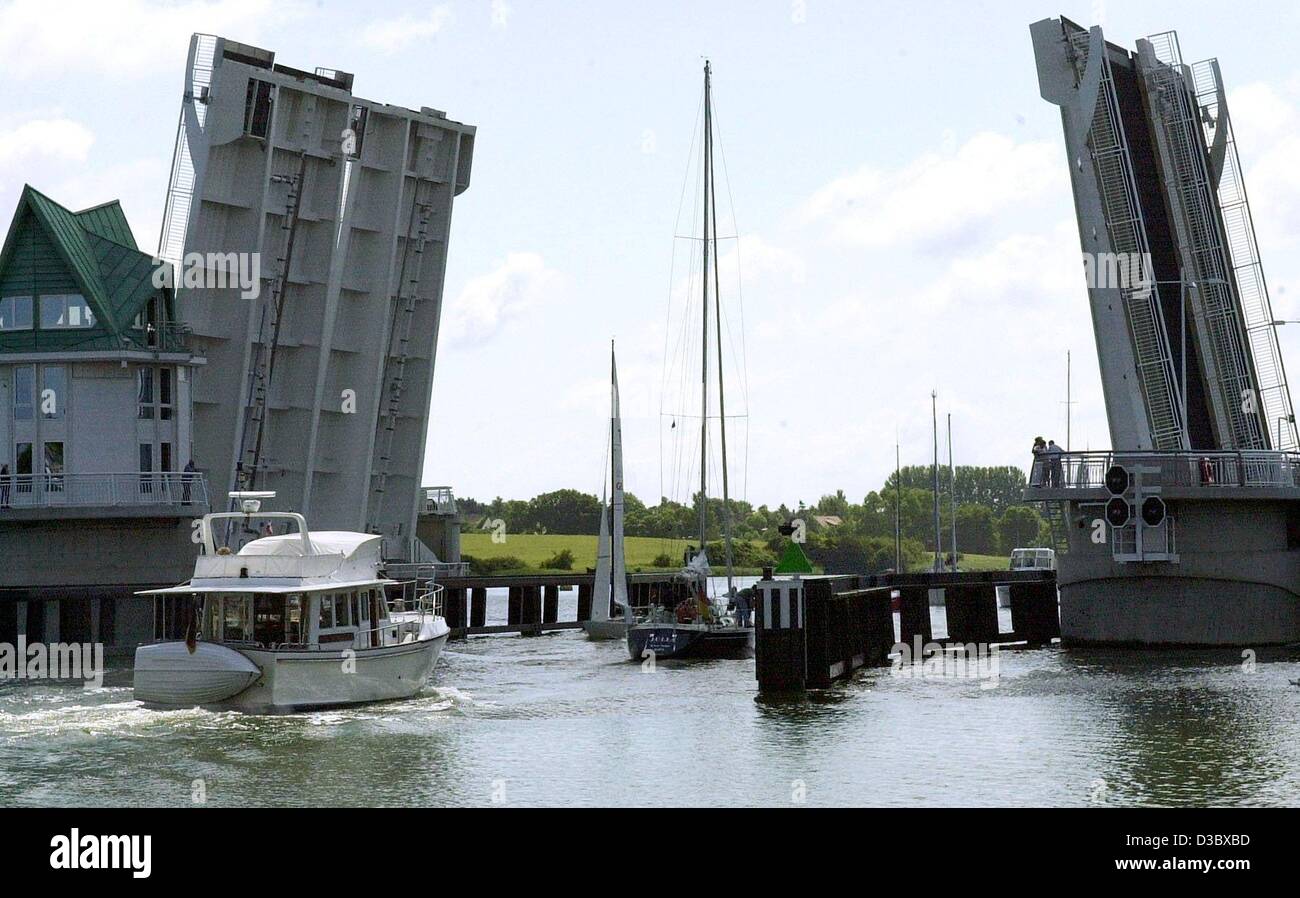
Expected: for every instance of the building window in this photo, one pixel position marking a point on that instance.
(257, 108)
(23, 459)
(24, 391)
(144, 393)
(165, 457)
(54, 465)
(146, 468)
(165, 394)
(357, 125)
(65, 310)
(54, 390)
(16, 313)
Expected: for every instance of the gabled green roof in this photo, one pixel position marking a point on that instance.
(100, 254)
(108, 221)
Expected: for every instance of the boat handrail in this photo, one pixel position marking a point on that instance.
(424, 605)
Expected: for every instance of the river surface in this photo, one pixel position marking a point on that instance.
(559, 720)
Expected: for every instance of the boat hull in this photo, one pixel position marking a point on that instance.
(604, 630)
(302, 680)
(688, 641)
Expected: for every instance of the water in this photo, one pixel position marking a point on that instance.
(558, 720)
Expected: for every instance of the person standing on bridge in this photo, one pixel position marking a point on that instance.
(1054, 453)
(1038, 473)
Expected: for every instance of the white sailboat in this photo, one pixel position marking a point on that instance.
(611, 568)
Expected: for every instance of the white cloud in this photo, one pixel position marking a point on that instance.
(43, 139)
(125, 37)
(389, 35)
(940, 197)
(759, 259)
(1259, 111)
(489, 302)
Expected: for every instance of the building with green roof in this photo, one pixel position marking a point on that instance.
(95, 428)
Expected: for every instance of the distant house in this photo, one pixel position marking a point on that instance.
(95, 425)
(826, 521)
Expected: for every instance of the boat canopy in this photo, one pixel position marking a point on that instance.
(323, 542)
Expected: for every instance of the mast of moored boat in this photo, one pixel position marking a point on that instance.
(704, 317)
(717, 330)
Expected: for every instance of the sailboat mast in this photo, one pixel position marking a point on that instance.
(704, 343)
(717, 330)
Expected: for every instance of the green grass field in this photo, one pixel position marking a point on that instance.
(972, 563)
(534, 548)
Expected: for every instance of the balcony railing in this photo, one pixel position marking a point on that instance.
(438, 500)
(103, 490)
(1209, 470)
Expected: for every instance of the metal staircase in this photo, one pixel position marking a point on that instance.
(1054, 512)
(1224, 353)
(404, 305)
(1114, 169)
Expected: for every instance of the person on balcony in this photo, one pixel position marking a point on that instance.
(1053, 455)
(4, 486)
(1037, 474)
(186, 479)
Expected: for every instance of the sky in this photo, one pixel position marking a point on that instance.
(898, 188)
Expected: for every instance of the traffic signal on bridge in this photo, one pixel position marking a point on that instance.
(1153, 511)
(1117, 480)
(1117, 511)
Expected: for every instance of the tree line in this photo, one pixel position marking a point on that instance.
(992, 517)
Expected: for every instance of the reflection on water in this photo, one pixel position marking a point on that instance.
(560, 720)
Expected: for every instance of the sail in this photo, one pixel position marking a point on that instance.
(616, 457)
(600, 591)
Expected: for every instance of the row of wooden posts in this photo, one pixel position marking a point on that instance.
(533, 603)
(812, 631)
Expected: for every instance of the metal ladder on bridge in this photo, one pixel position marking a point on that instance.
(1054, 511)
(250, 455)
(1152, 355)
(1229, 365)
(400, 338)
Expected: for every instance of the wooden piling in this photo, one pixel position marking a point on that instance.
(972, 610)
(551, 604)
(478, 606)
(530, 610)
(914, 614)
(515, 606)
(584, 602)
(454, 608)
(1035, 612)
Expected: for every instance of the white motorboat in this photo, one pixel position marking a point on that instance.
(290, 621)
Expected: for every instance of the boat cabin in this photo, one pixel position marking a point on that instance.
(357, 617)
